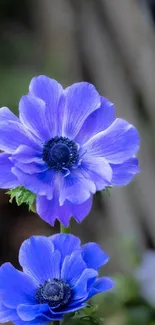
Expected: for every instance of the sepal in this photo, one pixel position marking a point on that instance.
(22, 195)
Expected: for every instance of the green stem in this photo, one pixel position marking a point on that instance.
(56, 322)
(64, 230)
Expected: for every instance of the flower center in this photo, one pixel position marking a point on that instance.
(60, 153)
(54, 292)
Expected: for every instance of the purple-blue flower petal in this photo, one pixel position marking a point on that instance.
(50, 91)
(79, 193)
(39, 320)
(65, 243)
(29, 160)
(32, 113)
(101, 285)
(7, 115)
(7, 178)
(80, 211)
(30, 312)
(117, 143)
(13, 134)
(76, 303)
(98, 170)
(71, 309)
(27, 154)
(72, 268)
(38, 183)
(96, 122)
(93, 256)
(16, 287)
(7, 314)
(36, 263)
(76, 188)
(124, 173)
(33, 167)
(80, 290)
(50, 210)
(81, 100)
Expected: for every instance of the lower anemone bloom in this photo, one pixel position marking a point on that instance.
(58, 277)
(65, 146)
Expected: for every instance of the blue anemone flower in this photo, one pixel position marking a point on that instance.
(65, 146)
(58, 277)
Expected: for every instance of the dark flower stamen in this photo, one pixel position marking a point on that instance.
(60, 153)
(54, 292)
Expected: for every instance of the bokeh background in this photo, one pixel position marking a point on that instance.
(110, 43)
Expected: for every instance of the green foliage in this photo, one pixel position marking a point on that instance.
(126, 288)
(123, 304)
(22, 195)
(138, 315)
(86, 316)
(86, 320)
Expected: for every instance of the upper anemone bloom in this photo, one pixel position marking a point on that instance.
(58, 277)
(65, 146)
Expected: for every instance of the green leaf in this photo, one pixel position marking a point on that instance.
(90, 310)
(85, 320)
(84, 316)
(22, 195)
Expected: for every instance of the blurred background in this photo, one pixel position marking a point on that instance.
(110, 43)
